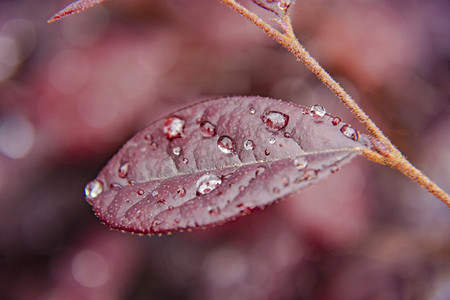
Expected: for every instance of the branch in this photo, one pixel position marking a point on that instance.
(385, 152)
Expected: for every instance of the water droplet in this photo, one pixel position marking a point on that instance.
(155, 225)
(243, 209)
(155, 193)
(274, 120)
(170, 207)
(177, 220)
(93, 189)
(115, 186)
(207, 129)
(207, 183)
(336, 120)
(287, 135)
(153, 145)
(176, 151)
(123, 170)
(307, 176)
(148, 137)
(185, 161)
(131, 182)
(272, 140)
(127, 201)
(161, 201)
(305, 111)
(173, 127)
(249, 145)
(214, 210)
(285, 181)
(252, 110)
(334, 169)
(300, 162)
(140, 192)
(225, 144)
(276, 190)
(198, 120)
(259, 170)
(181, 192)
(350, 132)
(267, 152)
(317, 112)
(241, 188)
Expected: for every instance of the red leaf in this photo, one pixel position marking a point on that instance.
(74, 7)
(216, 160)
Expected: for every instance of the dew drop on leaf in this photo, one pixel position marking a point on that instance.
(300, 163)
(207, 129)
(249, 145)
(185, 161)
(173, 127)
(213, 210)
(140, 192)
(148, 137)
(317, 112)
(287, 135)
(181, 191)
(161, 201)
(176, 151)
(272, 140)
(285, 181)
(350, 132)
(267, 152)
(123, 170)
(155, 193)
(252, 110)
(336, 121)
(307, 176)
(274, 120)
(153, 145)
(207, 183)
(225, 144)
(276, 190)
(93, 189)
(334, 169)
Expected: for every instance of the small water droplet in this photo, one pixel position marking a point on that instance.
(305, 111)
(161, 201)
(274, 120)
(307, 176)
(177, 220)
(259, 170)
(350, 132)
(176, 151)
(336, 121)
(155, 225)
(198, 120)
(115, 186)
(181, 192)
(287, 135)
(225, 144)
(249, 145)
(272, 140)
(127, 201)
(207, 129)
(153, 145)
(93, 189)
(123, 170)
(285, 181)
(173, 127)
(317, 112)
(276, 190)
(170, 207)
(207, 183)
(131, 182)
(252, 110)
(300, 162)
(334, 169)
(267, 152)
(214, 210)
(155, 193)
(243, 209)
(241, 188)
(185, 161)
(148, 137)
(140, 192)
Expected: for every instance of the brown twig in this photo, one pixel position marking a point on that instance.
(384, 151)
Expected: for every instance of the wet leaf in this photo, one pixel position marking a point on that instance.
(217, 160)
(74, 7)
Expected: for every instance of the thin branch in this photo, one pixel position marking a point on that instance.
(386, 153)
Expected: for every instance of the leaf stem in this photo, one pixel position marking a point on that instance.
(385, 152)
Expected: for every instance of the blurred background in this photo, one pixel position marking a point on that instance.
(72, 92)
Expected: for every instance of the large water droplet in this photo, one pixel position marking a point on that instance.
(207, 183)
(300, 162)
(249, 145)
(317, 112)
(225, 144)
(176, 151)
(181, 191)
(93, 189)
(274, 120)
(350, 132)
(173, 127)
(123, 170)
(207, 129)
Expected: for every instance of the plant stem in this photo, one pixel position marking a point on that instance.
(385, 152)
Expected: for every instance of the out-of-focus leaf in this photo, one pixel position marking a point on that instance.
(73, 7)
(216, 160)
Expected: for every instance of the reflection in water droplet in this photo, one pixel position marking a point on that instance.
(272, 140)
(181, 191)
(300, 162)
(123, 170)
(155, 193)
(336, 120)
(207, 129)
(93, 189)
(225, 144)
(185, 161)
(140, 192)
(317, 112)
(267, 152)
(350, 132)
(173, 127)
(176, 151)
(249, 145)
(287, 135)
(153, 145)
(274, 120)
(207, 183)
(252, 110)
(214, 210)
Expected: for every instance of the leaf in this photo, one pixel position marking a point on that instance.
(74, 7)
(217, 160)
(279, 7)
